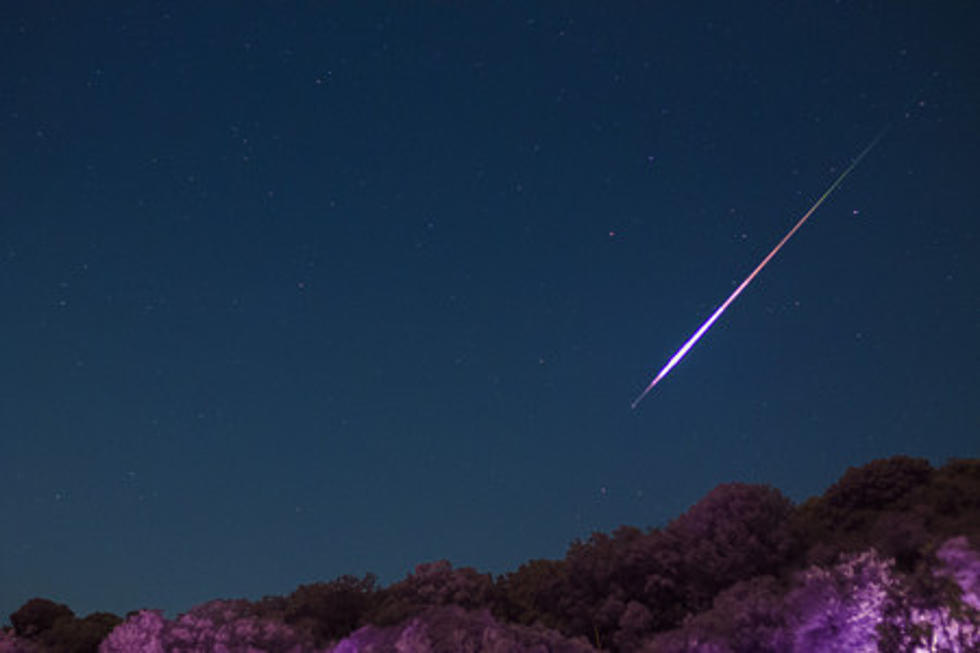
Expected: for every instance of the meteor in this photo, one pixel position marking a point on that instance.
(686, 347)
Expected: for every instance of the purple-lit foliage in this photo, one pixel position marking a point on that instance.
(841, 608)
(143, 631)
(861, 604)
(10, 643)
(748, 616)
(962, 565)
(943, 615)
(451, 629)
(218, 626)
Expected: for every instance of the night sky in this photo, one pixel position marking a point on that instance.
(294, 290)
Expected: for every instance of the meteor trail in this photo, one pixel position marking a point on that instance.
(721, 309)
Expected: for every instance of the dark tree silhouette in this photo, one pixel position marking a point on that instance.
(329, 611)
(53, 627)
(37, 616)
(433, 584)
(954, 497)
(532, 594)
(878, 485)
(79, 635)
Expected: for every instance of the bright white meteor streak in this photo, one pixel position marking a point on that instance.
(721, 309)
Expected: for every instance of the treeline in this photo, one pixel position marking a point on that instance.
(886, 558)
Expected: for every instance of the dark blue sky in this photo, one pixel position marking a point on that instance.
(292, 290)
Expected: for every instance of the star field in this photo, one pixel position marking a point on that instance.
(296, 291)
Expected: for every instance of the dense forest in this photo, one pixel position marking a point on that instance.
(888, 559)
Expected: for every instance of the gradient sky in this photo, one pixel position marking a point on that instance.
(293, 290)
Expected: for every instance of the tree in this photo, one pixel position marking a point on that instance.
(79, 635)
(879, 484)
(954, 497)
(532, 594)
(10, 643)
(605, 573)
(747, 617)
(37, 616)
(433, 584)
(214, 626)
(451, 629)
(331, 610)
(736, 532)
